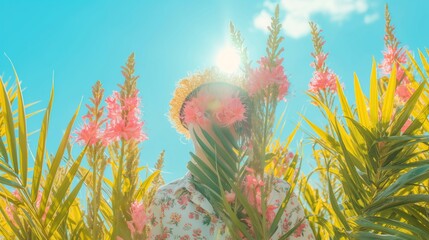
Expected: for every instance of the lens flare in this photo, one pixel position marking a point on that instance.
(228, 60)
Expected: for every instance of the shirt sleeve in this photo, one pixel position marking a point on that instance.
(156, 214)
(294, 215)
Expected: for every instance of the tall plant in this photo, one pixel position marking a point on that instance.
(38, 206)
(114, 139)
(372, 157)
(233, 179)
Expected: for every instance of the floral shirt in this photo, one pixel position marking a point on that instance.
(180, 212)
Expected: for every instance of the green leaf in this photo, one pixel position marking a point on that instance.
(425, 62)
(10, 183)
(144, 186)
(396, 201)
(55, 164)
(15, 230)
(415, 65)
(41, 149)
(3, 152)
(418, 174)
(360, 103)
(400, 225)
(405, 113)
(5, 168)
(370, 225)
(64, 209)
(386, 112)
(334, 203)
(418, 121)
(373, 94)
(22, 132)
(231, 214)
(5, 105)
(64, 186)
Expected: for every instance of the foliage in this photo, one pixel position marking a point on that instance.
(44, 205)
(372, 160)
(39, 205)
(229, 162)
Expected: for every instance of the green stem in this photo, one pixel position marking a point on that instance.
(95, 196)
(117, 194)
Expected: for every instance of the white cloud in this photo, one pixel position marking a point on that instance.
(298, 12)
(370, 18)
(262, 21)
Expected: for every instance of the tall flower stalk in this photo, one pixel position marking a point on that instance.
(124, 133)
(91, 135)
(234, 180)
(394, 56)
(323, 84)
(266, 84)
(371, 165)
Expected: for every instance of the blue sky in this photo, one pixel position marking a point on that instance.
(83, 41)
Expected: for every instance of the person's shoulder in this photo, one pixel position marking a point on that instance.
(280, 185)
(170, 188)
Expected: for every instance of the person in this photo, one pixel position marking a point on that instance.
(179, 210)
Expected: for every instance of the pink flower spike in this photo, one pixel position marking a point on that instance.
(270, 213)
(319, 60)
(138, 218)
(264, 76)
(89, 134)
(194, 111)
(231, 111)
(323, 81)
(391, 56)
(123, 119)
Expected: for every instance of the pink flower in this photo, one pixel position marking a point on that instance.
(231, 111)
(138, 218)
(195, 111)
(230, 196)
(270, 214)
(124, 119)
(225, 111)
(321, 81)
(264, 76)
(252, 189)
(406, 125)
(89, 134)
(392, 55)
(396, 56)
(319, 60)
(404, 92)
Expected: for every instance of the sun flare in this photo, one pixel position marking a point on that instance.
(228, 60)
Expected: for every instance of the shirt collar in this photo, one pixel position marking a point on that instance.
(185, 184)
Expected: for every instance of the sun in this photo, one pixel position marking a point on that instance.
(228, 60)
